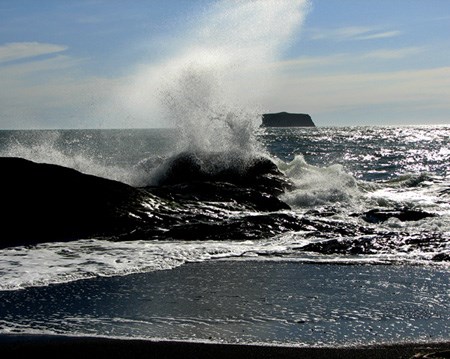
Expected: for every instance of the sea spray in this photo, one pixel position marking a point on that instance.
(206, 123)
(319, 186)
(112, 154)
(212, 86)
(202, 91)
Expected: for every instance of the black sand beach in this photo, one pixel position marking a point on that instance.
(62, 346)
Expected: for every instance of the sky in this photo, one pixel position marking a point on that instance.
(122, 64)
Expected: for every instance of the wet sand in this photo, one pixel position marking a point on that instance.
(62, 346)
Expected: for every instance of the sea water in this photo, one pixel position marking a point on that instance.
(337, 173)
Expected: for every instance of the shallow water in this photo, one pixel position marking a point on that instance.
(244, 301)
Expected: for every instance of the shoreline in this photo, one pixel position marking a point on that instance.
(243, 302)
(102, 347)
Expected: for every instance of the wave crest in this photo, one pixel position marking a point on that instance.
(318, 186)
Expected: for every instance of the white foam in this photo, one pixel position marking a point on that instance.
(48, 263)
(318, 186)
(51, 263)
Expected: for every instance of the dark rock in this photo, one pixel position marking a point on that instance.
(342, 246)
(441, 257)
(249, 183)
(285, 119)
(404, 214)
(224, 195)
(253, 172)
(43, 202)
(240, 228)
(382, 242)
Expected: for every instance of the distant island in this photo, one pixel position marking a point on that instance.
(285, 119)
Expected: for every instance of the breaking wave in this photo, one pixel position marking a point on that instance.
(319, 186)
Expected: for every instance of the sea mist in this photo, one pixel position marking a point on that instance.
(211, 88)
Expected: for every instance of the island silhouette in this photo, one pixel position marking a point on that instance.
(286, 119)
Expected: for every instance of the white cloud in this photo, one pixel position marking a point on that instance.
(379, 35)
(30, 68)
(392, 54)
(20, 50)
(346, 59)
(312, 61)
(352, 33)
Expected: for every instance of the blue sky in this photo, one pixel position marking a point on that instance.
(105, 63)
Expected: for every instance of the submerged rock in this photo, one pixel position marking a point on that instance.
(382, 242)
(403, 214)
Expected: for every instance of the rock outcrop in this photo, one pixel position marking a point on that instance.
(44, 202)
(47, 203)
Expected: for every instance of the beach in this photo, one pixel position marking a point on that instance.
(58, 346)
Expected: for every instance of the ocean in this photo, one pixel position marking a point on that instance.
(299, 236)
